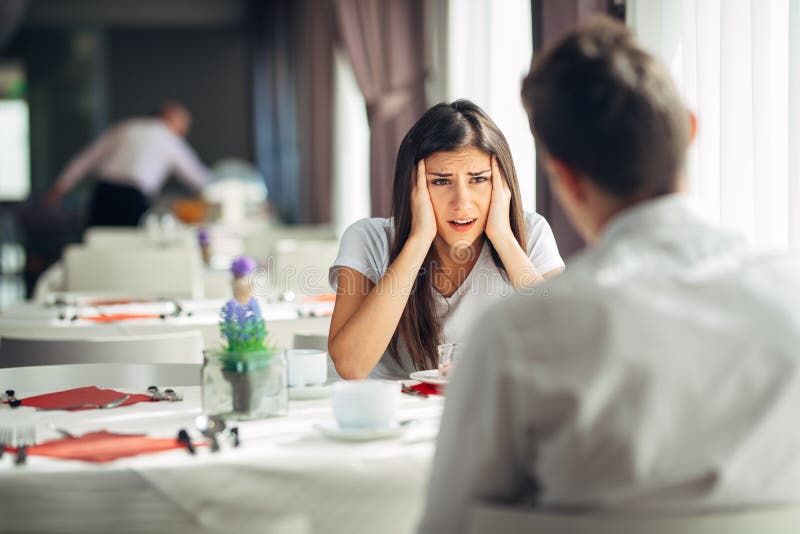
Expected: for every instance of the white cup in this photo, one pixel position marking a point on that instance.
(362, 404)
(307, 367)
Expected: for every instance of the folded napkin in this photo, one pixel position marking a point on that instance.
(428, 389)
(88, 395)
(112, 317)
(101, 447)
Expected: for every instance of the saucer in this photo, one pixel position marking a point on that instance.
(431, 376)
(310, 392)
(332, 430)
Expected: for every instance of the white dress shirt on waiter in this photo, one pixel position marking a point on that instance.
(137, 152)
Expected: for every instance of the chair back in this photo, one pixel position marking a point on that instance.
(174, 271)
(302, 266)
(103, 375)
(514, 520)
(260, 242)
(304, 340)
(185, 348)
(122, 237)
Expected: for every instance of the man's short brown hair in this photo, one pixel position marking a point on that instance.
(598, 102)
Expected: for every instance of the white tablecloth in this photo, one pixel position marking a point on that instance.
(285, 478)
(283, 320)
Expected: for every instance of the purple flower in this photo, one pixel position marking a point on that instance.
(241, 314)
(229, 310)
(242, 266)
(204, 237)
(254, 308)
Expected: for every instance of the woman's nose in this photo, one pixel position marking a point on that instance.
(462, 196)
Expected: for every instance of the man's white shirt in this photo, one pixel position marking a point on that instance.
(660, 371)
(139, 152)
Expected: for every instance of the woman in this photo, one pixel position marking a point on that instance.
(457, 241)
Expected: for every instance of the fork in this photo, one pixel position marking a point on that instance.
(113, 404)
(19, 436)
(408, 390)
(6, 436)
(26, 437)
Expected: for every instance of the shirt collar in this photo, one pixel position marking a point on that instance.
(664, 210)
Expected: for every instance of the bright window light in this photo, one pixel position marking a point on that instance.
(15, 181)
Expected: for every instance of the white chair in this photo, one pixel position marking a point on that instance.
(121, 237)
(174, 271)
(302, 266)
(316, 342)
(160, 359)
(498, 519)
(102, 375)
(259, 241)
(49, 282)
(184, 348)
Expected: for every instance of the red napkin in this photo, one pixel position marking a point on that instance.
(327, 297)
(115, 302)
(428, 389)
(89, 394)
(101, 447)
(110, 318)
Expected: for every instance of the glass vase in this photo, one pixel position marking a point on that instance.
(245, 386)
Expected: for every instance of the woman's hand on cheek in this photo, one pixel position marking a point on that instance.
(498, 225)
(423, 220)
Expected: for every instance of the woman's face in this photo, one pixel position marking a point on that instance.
(460, 185)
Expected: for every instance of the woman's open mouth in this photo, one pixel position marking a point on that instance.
(462, 225)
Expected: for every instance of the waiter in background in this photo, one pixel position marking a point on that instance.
(132, 160)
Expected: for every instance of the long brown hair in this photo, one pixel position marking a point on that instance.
(443, 128)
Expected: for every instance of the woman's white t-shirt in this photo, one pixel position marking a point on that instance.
(365, 248)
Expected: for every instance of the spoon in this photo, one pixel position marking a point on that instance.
(210, 426)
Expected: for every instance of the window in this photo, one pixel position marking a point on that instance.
(737, 64)
(15, 179)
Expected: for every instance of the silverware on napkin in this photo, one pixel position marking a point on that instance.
(410, 391)
(113, 404)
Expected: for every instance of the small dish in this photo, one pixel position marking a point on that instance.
(331, 429)
(310, 392)
(430, 376)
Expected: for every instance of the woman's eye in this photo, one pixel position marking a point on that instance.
(440, 181)
(479, 179)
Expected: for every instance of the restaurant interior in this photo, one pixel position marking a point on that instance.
(134, 413)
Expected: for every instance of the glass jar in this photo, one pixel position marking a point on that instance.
(243, 386)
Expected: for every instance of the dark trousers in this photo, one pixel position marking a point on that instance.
(117, 205)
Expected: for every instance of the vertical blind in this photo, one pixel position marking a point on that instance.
(737, 64)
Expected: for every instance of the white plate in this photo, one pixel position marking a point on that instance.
(332, 430)
(431, 376)
(310, 392)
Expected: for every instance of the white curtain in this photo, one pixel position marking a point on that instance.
(489, 47)
(737, 63)
(351, 200)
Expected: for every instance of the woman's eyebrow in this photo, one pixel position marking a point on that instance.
(448, 174)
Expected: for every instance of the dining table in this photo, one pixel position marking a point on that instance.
(86, 316)
(284, 477)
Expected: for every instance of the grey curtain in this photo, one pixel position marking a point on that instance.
(293, 103)
(275, 120)
(385, 42)
(551, 18)
(316, 111)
